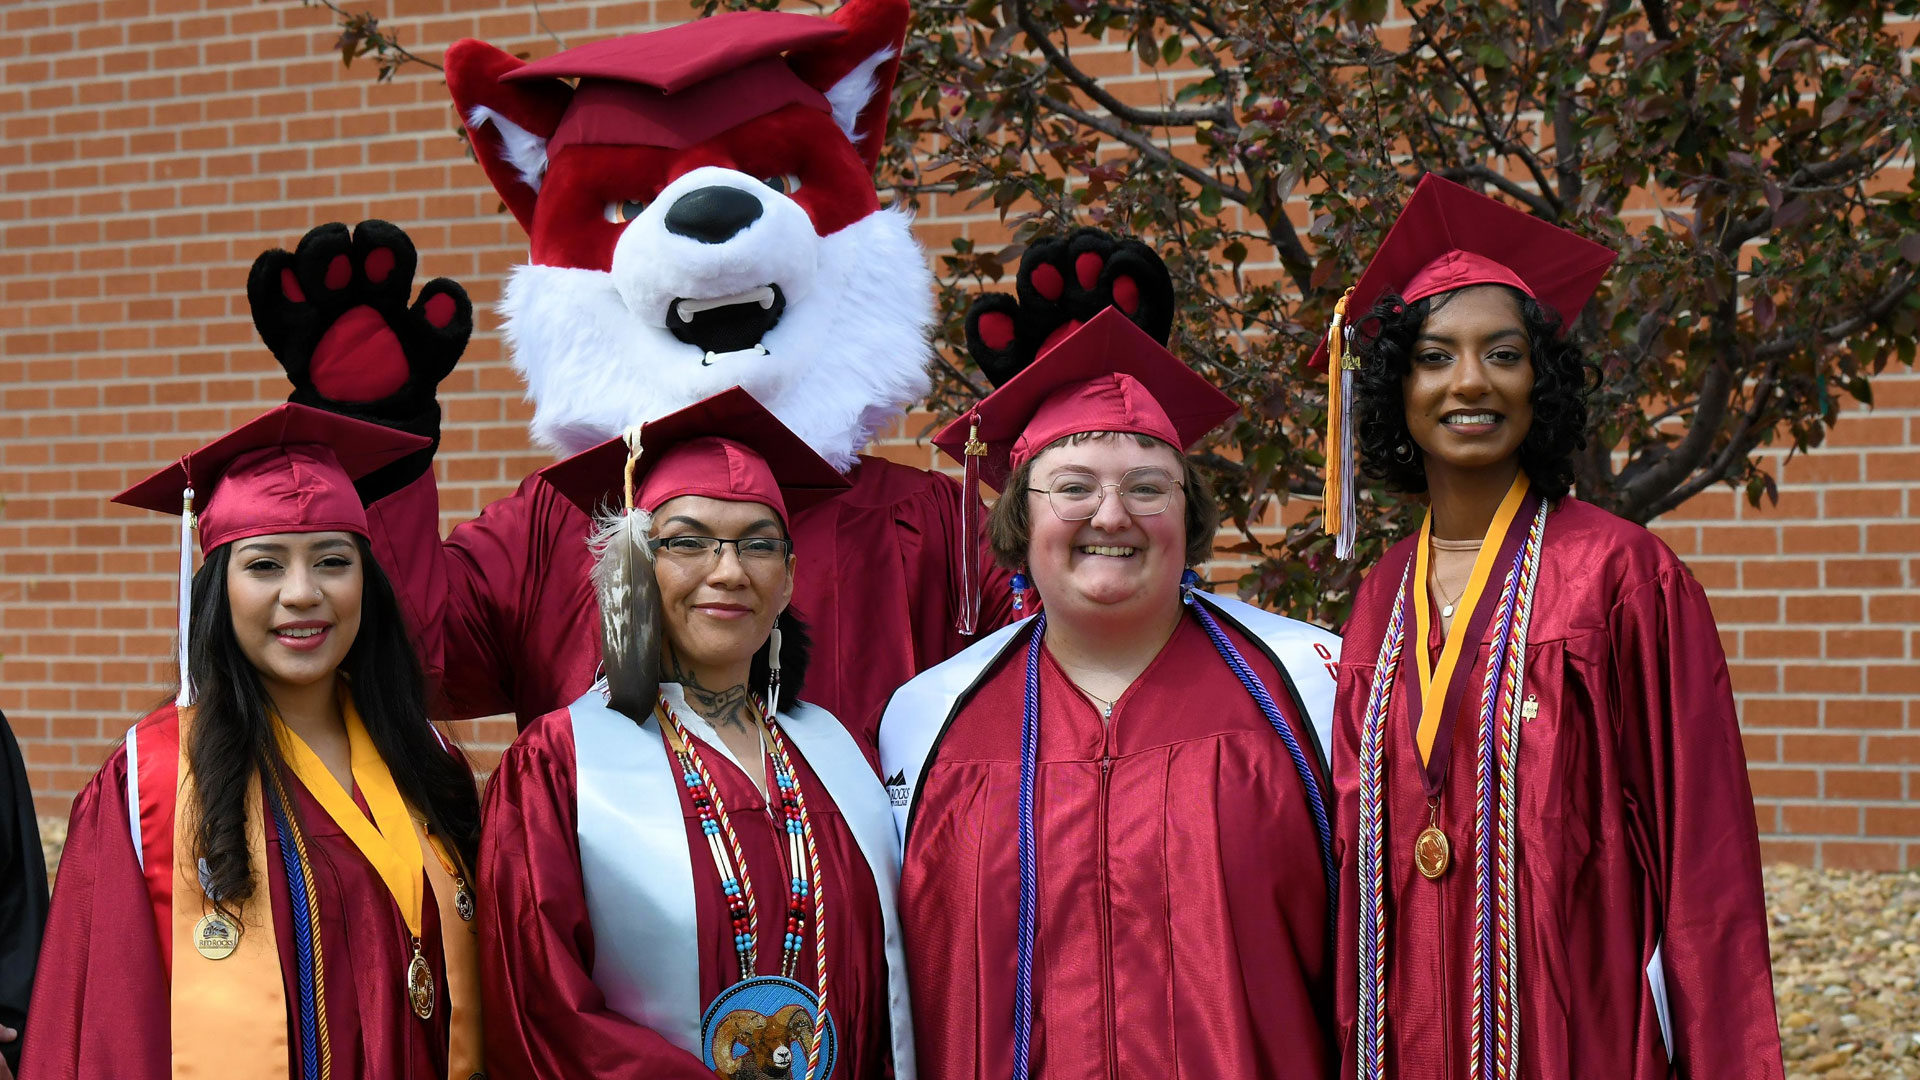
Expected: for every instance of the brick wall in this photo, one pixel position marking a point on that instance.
(151, 148)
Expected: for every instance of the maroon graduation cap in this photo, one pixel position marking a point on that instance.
(1446, 238)
(1107, 375)
(288, 470)
(727, 446)
(678, 86)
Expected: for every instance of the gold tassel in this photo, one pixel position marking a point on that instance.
(968, 619)
(1337, 509)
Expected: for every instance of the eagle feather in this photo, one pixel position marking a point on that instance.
(629, 611)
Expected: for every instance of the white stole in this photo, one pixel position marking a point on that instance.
(638, 871)
(919, 712)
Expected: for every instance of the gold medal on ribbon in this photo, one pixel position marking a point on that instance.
(420, 984)
(1431, 853)
(215, 937)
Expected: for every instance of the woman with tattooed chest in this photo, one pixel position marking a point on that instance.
(691, 872)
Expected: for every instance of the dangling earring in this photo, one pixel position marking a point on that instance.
(1188, 581)
(1403, 452)
(773, 675)
(1019, 587)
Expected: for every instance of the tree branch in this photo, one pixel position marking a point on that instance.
(1086, 84)
(1541, 207)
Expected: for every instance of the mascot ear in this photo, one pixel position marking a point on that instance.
(509, 123)
(856, 70)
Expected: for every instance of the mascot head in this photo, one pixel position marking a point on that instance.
(702, 215)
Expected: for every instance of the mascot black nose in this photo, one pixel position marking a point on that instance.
(712, 215)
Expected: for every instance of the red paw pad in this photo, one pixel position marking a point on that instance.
(379, 264)
(439, 310)
(1087, 269)
(996, 330)
(359, 358)
(1059, 332)
(1126, 294)
(290, 287)
(1048, 282)
(339, 272)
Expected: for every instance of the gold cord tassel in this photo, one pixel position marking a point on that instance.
(1338, 512)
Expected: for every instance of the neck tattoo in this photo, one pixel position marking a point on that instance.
(728, 708)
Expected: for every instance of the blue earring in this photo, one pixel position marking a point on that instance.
(1019, 587)
(1188, 582)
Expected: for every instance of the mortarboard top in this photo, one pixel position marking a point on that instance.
(289, 470)
(678, 86)
(725, 447)
(1107, 375)
(1449, 237)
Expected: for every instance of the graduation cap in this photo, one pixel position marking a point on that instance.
(678, 86)
(289, 470)
(727, 447)
(1446, 238)
(1107, 375)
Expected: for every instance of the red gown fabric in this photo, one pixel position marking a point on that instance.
(1635, 820)
(101, 996)
(546, 1018)
(1183, 923)
(509, 622)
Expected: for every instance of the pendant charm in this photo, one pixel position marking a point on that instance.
(215, 937)
(463, 900)
(420, 985)
(1431, 853)
(763, 1026)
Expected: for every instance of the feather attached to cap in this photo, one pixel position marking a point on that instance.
(629, 611)
(629, 598)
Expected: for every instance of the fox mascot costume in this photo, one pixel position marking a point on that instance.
(701, 214)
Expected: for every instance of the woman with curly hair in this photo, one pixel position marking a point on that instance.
(1549, 864)
(270, 878)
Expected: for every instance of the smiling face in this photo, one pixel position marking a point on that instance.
(1115, 564)
(295, 602)
(1469, 394)
(719, 609)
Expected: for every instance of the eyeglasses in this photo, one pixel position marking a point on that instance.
(1077, 496)
(751, 549)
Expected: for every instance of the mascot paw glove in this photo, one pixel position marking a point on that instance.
(1063, 282)
(334, 312)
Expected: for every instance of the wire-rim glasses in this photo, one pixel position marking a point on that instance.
(1077, 496)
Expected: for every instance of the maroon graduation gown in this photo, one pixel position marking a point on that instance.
(1183, 927)
(546, 1018)
(1635, 821)
(508, 618)
(101, 996)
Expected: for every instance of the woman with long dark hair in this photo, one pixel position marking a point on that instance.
(270, 878)
(689, 872)
(1549, 865)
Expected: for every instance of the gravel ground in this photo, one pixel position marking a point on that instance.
(1846, 957)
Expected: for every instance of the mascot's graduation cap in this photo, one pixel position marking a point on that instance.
(678, 86)
(727, 447)
(1446, 238)
(288, 470)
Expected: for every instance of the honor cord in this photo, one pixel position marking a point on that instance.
(1029, 871)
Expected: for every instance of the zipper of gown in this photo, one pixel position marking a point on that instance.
(1111, 1018)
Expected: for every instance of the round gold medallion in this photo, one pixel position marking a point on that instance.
(1431, 853)
(420, 987)
(215, 937)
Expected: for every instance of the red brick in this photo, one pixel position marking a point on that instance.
(1784, 783)
(1820, 819)
(1880, 785)
(1854, 855)
(1863, 713)
(1841, 749)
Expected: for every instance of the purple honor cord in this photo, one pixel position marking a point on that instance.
(1029, 756)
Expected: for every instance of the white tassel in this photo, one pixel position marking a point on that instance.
(185, 696)
(629, 611)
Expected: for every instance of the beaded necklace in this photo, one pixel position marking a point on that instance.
(729, 859)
